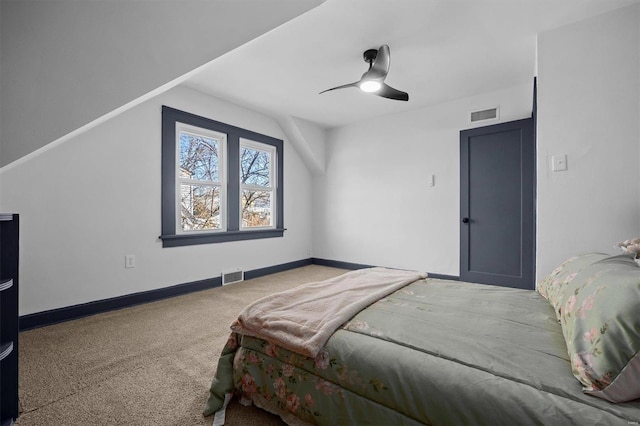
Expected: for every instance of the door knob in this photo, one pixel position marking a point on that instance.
(465, 220)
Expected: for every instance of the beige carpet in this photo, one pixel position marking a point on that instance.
(150, 364)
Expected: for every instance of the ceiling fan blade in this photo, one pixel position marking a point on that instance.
(380, 67)
(389, 92)
(344, 86)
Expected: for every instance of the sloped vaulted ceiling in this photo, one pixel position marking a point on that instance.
(65, 63)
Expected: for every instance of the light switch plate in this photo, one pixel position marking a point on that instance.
(129, 261)
(559, 162)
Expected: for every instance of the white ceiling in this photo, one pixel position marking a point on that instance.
(440, 50)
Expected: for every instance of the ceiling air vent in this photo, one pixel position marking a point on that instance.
(485, 114)
(232, 277)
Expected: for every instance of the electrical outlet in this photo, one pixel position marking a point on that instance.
(130, 261)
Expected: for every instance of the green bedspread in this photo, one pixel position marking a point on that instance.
(435, 352)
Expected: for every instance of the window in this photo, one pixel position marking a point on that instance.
(256, 184)
(219, 182)
(200, 178)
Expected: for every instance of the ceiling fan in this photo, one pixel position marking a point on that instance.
(372, 81)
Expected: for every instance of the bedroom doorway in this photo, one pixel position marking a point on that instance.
(497, 204)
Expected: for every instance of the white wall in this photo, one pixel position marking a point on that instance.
(588, 102)
(315, 138)
(374, 206)
(588, 108)
(88, 202)
(68, 62)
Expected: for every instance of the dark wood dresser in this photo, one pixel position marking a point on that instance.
(9, 229)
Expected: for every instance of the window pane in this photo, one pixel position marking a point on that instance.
(200, 207)
(256, 208)
(198, 157)
(255, 166)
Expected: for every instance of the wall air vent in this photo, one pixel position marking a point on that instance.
(485, 114)
(232, 277)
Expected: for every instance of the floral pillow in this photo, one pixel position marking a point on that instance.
(600, 318)
(554, 286)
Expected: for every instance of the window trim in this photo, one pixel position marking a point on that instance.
(170, 237)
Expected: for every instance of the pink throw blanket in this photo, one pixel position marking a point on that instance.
(303, 318)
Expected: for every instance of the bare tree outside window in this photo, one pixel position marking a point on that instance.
(257, 191)
(199, 156)
(200, 182)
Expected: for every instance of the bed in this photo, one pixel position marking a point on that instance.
(444, 352)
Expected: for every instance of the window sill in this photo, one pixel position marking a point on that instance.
(219, 237)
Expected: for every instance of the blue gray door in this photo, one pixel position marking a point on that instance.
(497, 204)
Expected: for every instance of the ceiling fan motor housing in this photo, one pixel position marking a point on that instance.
(370, 55)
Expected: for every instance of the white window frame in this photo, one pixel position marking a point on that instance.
(222, 176)
(273, 182)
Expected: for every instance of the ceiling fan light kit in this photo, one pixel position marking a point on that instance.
(372, 81)
(370, 86)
